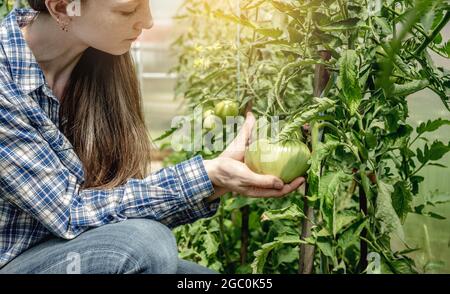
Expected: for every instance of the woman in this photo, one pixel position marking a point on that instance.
(74, 193)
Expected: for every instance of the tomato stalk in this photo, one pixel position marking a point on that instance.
(363, 244)
(244, 233)
(306, 258)
(433, 35)
(245, 211)
(222, 234)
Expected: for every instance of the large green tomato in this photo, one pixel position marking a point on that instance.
(227, 108)
(286, 161)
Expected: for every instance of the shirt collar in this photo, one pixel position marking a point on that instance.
(25, 70)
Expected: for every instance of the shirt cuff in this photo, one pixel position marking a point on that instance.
(196, 186)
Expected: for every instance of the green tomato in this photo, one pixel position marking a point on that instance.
(227, 108)
(286, 161)
(208, 112)
(210, 121)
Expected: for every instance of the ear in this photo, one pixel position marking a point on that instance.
(58, 9)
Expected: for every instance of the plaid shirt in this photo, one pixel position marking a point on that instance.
(40, 174)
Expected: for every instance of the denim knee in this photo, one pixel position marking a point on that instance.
(152, 246)
(132, 246)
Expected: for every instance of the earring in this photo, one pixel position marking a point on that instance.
(62, 25)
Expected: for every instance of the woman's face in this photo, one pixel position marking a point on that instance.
(111, 25)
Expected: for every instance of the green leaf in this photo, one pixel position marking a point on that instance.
(168, 133)
(329, 39)
(435, 215)
(235, 19)
(438, 150)
(343, 219)
(328, 190)
(371, 140)
(322, 151)
(402, 266)
(401, 200)
(240, 201)
(420, 156)
(211, 244)
(347, 24)
(420, 209)
(437, 164)
(362, 150)
(268, 32)
(312, 112)
(350, 236)
(409, 88)
(287, 8)
(261, 254)
(348, 81)
(385, 212)
(439, 198)
(291, 213)
(434, 266)
(323, 244)
(383, 25)
(415, 181)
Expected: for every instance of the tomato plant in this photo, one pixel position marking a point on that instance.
(345, 68)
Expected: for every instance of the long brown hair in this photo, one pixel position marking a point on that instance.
(104, 121)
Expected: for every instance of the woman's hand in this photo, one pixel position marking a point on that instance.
(228, 173)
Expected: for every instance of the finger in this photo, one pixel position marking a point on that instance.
(237, 147)
(251, 120)
(247, 127)
(295, 184)
(262, 181)
(274, 193)
(262, 193)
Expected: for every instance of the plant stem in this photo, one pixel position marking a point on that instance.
(417, 170)
(246, 209)
(363, 244)
(222, 235)
(343, 9)
(306, 260)
(433, 35)
(419, 29)
(244, 233)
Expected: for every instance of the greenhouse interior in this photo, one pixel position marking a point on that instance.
(351, 103)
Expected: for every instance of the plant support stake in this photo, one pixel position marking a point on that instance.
(306, 260)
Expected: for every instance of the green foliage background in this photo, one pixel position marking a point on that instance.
(376, 61)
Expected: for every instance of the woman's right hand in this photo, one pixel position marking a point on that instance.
(230, 175)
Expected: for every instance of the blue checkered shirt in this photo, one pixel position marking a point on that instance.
(40, 174)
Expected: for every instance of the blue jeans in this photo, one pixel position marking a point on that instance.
(133, 246)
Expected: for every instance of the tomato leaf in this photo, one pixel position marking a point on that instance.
(401, 200)
(432, 125)
(438, 150)
(348, 81)
(385, 213)
(347, 24)
(291, 213)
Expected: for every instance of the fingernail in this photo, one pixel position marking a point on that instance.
(278, 185)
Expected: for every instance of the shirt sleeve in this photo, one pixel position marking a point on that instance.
(34, 178)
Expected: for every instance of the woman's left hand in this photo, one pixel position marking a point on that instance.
(229, 173)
